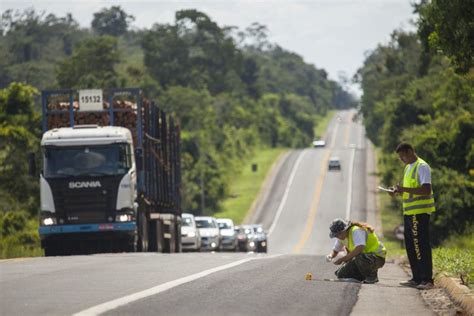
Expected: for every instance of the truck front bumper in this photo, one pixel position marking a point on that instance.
(87, 228)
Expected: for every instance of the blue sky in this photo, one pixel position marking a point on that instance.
(331, 34)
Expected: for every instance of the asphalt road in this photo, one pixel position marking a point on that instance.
(301, 202)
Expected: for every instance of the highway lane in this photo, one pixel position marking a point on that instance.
(302, 201)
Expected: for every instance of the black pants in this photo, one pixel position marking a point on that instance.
(417, 244)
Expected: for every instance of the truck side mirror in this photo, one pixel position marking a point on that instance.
(32, 164)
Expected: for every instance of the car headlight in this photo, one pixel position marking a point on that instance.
(191, 234)
(251, 244)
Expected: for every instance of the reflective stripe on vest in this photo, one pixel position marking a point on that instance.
(413, 203)
(372, 245)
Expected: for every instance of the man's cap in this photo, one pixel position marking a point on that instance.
(338, 225)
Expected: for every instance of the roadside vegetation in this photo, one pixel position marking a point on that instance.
(246, 185)
(232, 92)
(419, 88)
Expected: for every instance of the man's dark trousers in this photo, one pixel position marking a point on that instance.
(417, 243)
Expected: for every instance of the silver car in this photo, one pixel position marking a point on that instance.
(209, 231)
(190, 238)
(228, 234)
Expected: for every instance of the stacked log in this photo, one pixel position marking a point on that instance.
(127, 117)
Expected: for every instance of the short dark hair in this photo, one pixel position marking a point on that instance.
(404, 147)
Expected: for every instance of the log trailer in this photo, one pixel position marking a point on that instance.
(110, 179)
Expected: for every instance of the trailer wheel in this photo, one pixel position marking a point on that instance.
(178, 237)
(155, 236)
(143, 233)
(51, 251)
(170, 239)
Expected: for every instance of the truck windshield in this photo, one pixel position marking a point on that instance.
(100, 160)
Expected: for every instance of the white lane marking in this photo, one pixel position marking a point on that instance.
(107, 306)
(349, 193)
(349, 190)
(333, 140)
(285, 195)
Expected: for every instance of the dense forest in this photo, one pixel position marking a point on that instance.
(231, 90)
(420, 88)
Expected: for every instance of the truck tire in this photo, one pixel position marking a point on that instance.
(142, 233)
(178, 237)
(155, 236)
(170, 243)
(51, 251)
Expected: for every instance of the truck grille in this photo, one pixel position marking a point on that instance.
(85, 205)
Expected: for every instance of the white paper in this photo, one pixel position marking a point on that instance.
(386, 189)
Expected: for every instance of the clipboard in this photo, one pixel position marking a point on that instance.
(386, 189)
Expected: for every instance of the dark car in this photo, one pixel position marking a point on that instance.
(334, 163)
(243, 234)
(260, 238)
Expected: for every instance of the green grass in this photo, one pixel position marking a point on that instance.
(455, 262)
(390, 219)
(321, 123)
(246, 185)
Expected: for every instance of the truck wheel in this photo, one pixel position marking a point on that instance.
(178, 237)
(142, 233)
(155, 236)
(51, 251)
(170, 243)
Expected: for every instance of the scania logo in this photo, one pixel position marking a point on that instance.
(84, 184)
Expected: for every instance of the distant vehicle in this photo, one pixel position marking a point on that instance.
(260, 238)
(228, 234)
(241, 238)
(251, 244)
(319, 143)
(190, 237)
(209, 232)
(334, 163)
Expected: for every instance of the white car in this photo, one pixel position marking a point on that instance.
(319, 143)
(190, 238)
(228, 234)
(209, 231)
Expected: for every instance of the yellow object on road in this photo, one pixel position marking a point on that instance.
(309, 276)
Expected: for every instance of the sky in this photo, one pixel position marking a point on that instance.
(333, 35)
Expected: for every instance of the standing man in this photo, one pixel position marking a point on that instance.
(418, 204)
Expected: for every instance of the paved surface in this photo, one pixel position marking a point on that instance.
(300, 203)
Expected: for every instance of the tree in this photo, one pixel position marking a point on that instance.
(92, 65)
(113, 21)
(447, 27)
(19, 134)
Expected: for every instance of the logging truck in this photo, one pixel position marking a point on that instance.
(110, 179)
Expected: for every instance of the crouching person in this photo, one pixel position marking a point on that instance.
(365, 253)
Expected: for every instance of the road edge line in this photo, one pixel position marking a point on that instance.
(116, 303)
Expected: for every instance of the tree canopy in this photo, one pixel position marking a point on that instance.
(413, 92)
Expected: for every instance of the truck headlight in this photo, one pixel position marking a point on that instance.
(123, 218)
(48, 221)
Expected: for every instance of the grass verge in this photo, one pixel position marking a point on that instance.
(321, 123)
(246, 185)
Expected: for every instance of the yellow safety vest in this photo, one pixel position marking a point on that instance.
(373, 245)
(412, 203)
